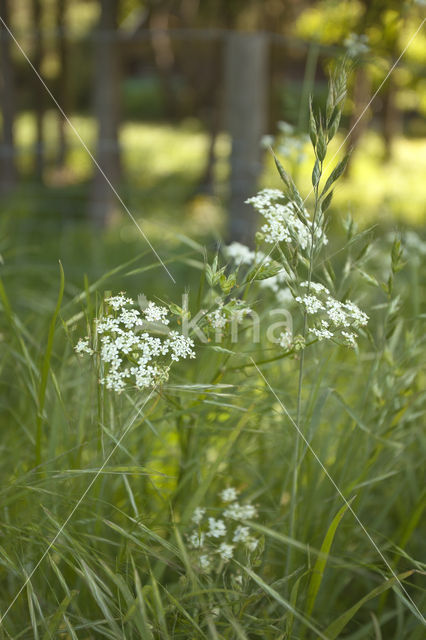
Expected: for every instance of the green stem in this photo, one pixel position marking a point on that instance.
(295, 480)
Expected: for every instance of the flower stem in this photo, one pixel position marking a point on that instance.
(295, 479)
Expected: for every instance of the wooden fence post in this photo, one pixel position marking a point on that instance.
(246, 87)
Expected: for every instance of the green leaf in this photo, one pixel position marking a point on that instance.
(316, 173)
(336, 173)
(369, 279)
(334, 122)
(321, 147)
(293, 602)
(326, 202)
(292, 191)
(336, 627)
(396, 256)
(321, 561)
(264, 271)
(283, 173)
(312, 125)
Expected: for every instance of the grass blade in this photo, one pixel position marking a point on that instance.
(334, 629)
(321, 561)
(44, 373)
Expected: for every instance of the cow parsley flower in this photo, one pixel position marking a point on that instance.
(154, 313)
(240, 253)
(285, 340)
(217, 528)
(215, 537)
(198, 515)
(237, 511)
(129, 353)
(282, 221)
(196, 539)
(241, 534)
(321, 334)
(118, 302)
(311, 303)
(82, 346)
(217, 318)
(330, 318)
(205, 562)
(229, 315)
(229, 495)
(251, 543)
(226, 551)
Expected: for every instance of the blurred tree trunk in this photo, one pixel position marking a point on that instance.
(63, 80)
(38, 89)
(106, 108)
(246, 77)
(164, 58)
(7, 104)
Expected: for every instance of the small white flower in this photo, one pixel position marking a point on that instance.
(180, 346)
(236, 511)
(82, 346)
(311, 303)
(349, 338)
(217, 528)
(154, 313)
(321, 334)
(282, 221)
(229, 495)
(251, 544)
(241, 534)
(117, 302)
(217, 318)
(239, 253)
(129, 317)
(315, 286)
(127, 353)
(196, 539)
(198, 515)
(286, 340)
(226, 551)
(205, 562)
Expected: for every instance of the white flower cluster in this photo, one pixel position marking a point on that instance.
(231, 314)
(221, 536)
(128, 351)
(282, 221)
(240, 253)
(331, 317)
(291, 144)
(243, 255)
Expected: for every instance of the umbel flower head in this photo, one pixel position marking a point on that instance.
(136, 346)
(222, 537)
(283, 224)
(329, 318)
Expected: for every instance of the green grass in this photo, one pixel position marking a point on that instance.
(122, 567)
(97, 489)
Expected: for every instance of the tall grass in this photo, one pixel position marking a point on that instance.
(122, 566)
